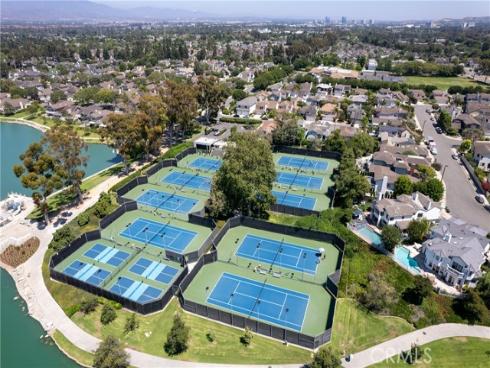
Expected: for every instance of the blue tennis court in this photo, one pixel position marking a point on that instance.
(166, 201)
(294, 200)
(302, 163)
(303, 181)
(104, 254)
(135, 290)
(154, 270)
(208, 164)
(183, 179)
(159, 235)
(287, 255)
(262, 301)
(86, 272)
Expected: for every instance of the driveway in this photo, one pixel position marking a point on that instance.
(460, 195)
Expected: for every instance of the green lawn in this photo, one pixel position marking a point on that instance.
(74, 352)
(441, 82)
(454, 352)
(356, 329)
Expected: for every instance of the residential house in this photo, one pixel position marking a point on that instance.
(481, 154)
(246, 107)
(456, 251)
(405, 208)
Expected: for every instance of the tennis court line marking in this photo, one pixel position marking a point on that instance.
(301, 249)
(251, 311)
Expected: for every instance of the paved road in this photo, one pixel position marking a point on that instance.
(402, 343)
(461, 192)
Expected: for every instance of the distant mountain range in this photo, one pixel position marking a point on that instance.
(83, 10)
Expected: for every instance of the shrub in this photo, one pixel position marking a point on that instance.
(72, 309)
(325, 358)
(108, 314)
(246, 338)
(379, 294)
(177, 337)
(83, 219)
(419, 291)
(437, 166)
(88, 306)
(61, 238)
(103, 206)
(210, 336)
(131, 324)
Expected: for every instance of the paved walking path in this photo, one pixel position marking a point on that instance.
(401, 343)
(42, 307)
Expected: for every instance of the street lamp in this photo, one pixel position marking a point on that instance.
(443, 172)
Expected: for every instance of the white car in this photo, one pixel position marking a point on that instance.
(433, 150)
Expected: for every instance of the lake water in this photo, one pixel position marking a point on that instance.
(14, 140)
(20, 345)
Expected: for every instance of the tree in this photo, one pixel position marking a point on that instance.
(89, 305)
(417, 293)
(151, 120)
(362, 144)
(287, 133)
(122, 133)
(403, 185)
(108, 314)
(472, 307)
(131, 323)
(66, 146)
(181, 105)
(244, 181)
(40, 172)
(325, 357)
(110, 354)
(425, 172)
(177, 337)
(417, 230)
(379, 294)
(211, 95)
(444, 121)
(85, 95)
(431, 187)
(105, 95)
(391, 237)
(335, 142)
(413, 355)
(57, 96)
(465, 146)
(350, 185)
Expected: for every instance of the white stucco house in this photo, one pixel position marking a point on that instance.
(246, 107)
(455, 252)
(405, 208)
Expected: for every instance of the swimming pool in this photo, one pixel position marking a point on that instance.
(369, 234)
(402, 256)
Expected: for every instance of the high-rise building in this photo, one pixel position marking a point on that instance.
(344, 20)
(327, 21)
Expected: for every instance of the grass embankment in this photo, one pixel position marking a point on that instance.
(360, 261)
(442, 83)
(453, 352)
(74, 352)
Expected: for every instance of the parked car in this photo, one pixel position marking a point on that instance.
(480, 198)
(433, 150)
(455, 156)
(438, 130)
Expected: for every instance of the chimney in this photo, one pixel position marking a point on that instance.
(415, 196)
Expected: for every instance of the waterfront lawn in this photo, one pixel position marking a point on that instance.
(442, 83)
(81, 356)
(356, 329)
(452, 352)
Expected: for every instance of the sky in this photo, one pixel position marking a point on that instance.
(360, 9)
